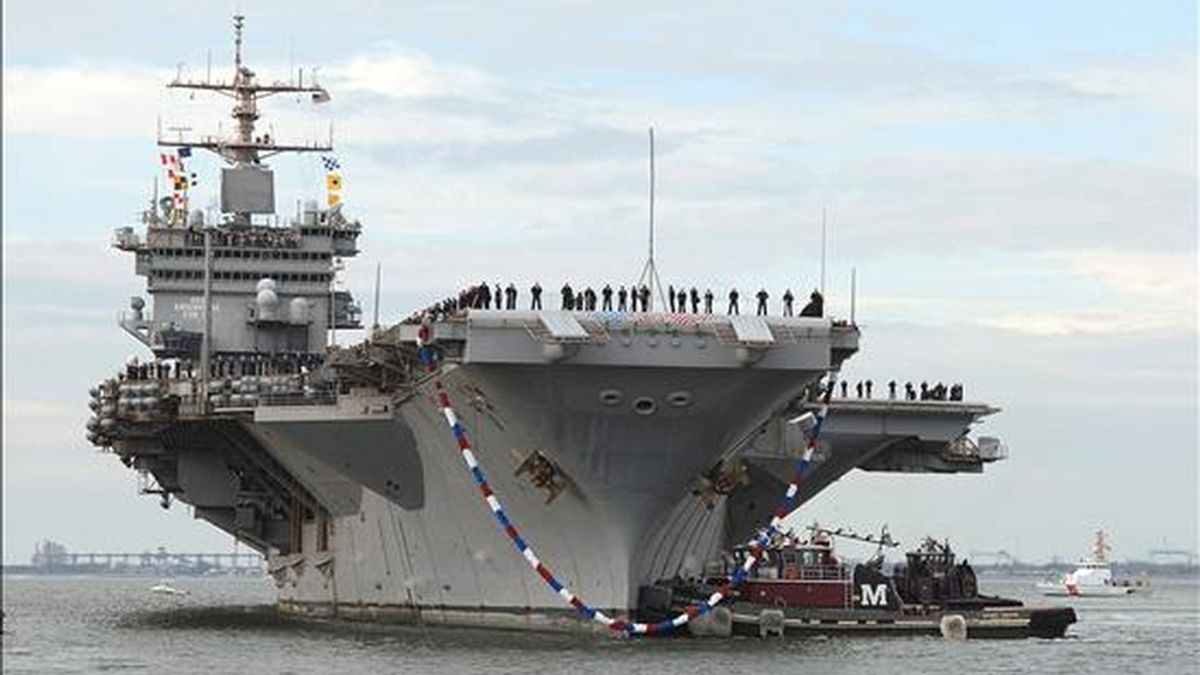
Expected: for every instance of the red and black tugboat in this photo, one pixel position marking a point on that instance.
(801, 587)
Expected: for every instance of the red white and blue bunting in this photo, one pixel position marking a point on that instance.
(787, 505)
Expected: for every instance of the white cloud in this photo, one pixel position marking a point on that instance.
(81, 100)
(410, 74)
(1146, 293)
(1099, 322)
(1163, 276)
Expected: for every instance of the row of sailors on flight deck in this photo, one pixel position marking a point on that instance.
(862, 389)
(635, 298)
(222, 365)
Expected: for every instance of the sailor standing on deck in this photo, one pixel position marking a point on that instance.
(606, 293)
(733, 302)
(499, 296)
(568, 297)
(535, 292)
(762, 301)
(589, 299)
(815, 306)
(645, 293)
(708, 298)
(622, 296)
(512, 295)
(671, 297)
(682, 303)
(787, 302)
(695, 301)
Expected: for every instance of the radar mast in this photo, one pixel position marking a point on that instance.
(245, 149)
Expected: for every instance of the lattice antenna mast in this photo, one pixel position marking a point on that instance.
(649, 275)
(244, 148)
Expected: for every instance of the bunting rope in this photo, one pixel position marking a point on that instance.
(756, 545)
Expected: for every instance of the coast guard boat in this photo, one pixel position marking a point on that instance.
(1093, 577)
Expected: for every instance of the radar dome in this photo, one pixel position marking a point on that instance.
(266, 298)
(265, 284)
(298, 309)
(137, 303)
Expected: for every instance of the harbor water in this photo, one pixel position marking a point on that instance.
(116, 625)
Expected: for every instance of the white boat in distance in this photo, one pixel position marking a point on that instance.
(165, 588)
(1092, 577)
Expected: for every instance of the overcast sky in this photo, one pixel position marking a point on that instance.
(1015, 184)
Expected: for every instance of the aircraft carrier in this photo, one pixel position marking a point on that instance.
(628, 446)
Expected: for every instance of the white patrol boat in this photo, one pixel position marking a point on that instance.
(1093, 577)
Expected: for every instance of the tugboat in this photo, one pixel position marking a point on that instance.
(800, 587)
(1093, 577)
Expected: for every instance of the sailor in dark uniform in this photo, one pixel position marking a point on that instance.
(535, 292)
(499, 297)
(892, 390)
(589, 299)
(787, 302)
(762, 301)
(844, 385)
(485, 296)
(579, 300)
(733, 302)
(622, 296)
(695, 301)
(511, 294)
(606, 293)
(681, 304)
(671, 297)
(645, 293)
(708, 298)
(568, 297)
(867, 385)
(815, 306)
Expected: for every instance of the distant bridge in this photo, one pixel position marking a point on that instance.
(1179, 554)
(994, 558)
(50, 556)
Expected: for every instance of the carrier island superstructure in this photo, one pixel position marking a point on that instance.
(630, 447)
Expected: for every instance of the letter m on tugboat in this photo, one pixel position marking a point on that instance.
(873, 595)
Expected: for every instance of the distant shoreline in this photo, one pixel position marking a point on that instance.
(34, 571)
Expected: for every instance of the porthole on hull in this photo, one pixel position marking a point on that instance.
(611, 397)
(679, 399)
(644, 405)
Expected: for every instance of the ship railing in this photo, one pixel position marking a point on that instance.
(300, 398)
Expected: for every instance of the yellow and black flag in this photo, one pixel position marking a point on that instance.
(333, 182)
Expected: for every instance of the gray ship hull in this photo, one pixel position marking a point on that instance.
(421, 541)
